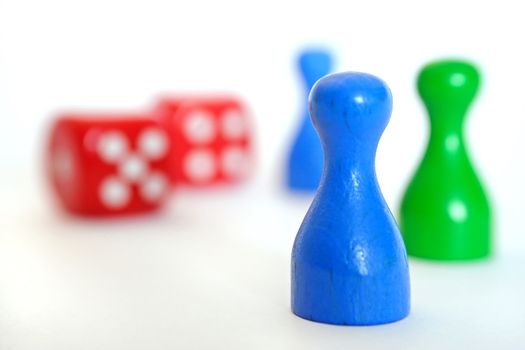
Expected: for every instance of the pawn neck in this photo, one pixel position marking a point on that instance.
(446, 132)
(353, 164)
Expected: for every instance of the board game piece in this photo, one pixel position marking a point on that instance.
(349, 264)
(105, 165)
(305, 161)
(212, 138)
(445, 213)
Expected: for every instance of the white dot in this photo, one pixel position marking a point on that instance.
(63, 165)
(132, 168)
(153, 143)
(360, 259)
(112, 146)
(199, 127)
(452, 143)
(200, 165)
(235, 162)
(458, 79)
(359, 99)
(114, 193)
(154, 187)
(233, 124)
(457, 211)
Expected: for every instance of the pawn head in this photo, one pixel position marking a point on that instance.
(350, 109)
(314, 64)
(448, 85)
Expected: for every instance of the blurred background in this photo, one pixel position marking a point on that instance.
(121, 55)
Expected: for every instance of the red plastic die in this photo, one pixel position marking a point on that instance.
(212, 139)
(109, 164)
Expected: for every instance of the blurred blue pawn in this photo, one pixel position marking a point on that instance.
(305, 162)
(349, 264)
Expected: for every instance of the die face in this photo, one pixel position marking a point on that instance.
(212, 138)
(122, 164)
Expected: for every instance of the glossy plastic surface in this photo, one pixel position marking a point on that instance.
(445, 214)
(305, 162)
(349, 264)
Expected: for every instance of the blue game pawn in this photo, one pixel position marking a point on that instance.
(305, 162)
(349, 264)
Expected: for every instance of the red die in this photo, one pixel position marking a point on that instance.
(108, 164)
(212, 139)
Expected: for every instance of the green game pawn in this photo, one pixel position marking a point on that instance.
(445, 214)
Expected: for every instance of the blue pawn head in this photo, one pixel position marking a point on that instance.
(350, 111)
(314, 64)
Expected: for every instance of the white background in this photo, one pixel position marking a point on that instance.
(211, 271)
